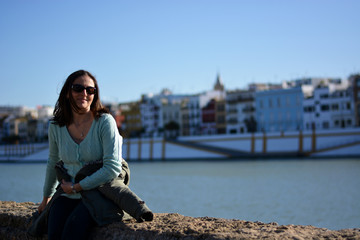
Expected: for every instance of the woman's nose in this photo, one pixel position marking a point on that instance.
(84, 92)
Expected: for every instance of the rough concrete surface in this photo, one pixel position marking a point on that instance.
(15, 218)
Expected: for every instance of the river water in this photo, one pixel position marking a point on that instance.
(322, 193)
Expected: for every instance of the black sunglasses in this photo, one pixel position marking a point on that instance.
(80, 88)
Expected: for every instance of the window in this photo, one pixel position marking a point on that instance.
(298, 115)
(325, 125)
(298, 101)
(271, 117)
(348, 106)
(270, 103)
(262, 117)
(309, 109)
(324, 107)
(221, 107)
(335, 107)
(324, 95)
(233, 131)
(221, 130)
(221, 119)
(278, 102)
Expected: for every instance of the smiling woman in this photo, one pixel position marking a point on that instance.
(81, 104)
(72, 99)
(81, 134)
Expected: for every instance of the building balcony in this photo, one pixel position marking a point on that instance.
(232, 121)
(248, 110)
(232, 111)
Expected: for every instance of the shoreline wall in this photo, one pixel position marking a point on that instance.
(341, 143)
(317, 144)
(15, 218)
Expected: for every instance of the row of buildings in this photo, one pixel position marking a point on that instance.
(23, 124)
(302, 104)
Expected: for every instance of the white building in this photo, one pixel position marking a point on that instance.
(171, 114)
(152, 112)
(150, 115)
(240, 111)
(44, 112)
(42, 128)
(279, 110)
(19, 111)
(15, 126)
(191, 116)
(329, 107)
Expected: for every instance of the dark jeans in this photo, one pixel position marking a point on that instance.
(69, 219)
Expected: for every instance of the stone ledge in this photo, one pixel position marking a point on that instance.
(15, 218)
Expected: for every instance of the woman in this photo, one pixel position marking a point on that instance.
(81, 132)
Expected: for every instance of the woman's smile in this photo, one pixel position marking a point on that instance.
(83, 99)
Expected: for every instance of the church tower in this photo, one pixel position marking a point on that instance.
(219, 85)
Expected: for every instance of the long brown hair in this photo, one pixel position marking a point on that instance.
(63, 115)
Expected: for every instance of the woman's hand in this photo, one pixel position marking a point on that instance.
(43, 204)
(67, 187)
(70, 188)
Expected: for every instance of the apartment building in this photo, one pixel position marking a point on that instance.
(19, 111)
(171, 117)
(279, 110)
(220, 116)
(22, 124)
(213, 112)
(240, 111)
(150, 115)
(191, 116)
(329, 108)
(151, 109)
(15, 128)
(355, 83)
(208, 114)
(131, 119)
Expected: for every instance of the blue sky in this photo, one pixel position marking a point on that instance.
(137, 47)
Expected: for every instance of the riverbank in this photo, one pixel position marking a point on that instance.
(15, 218)
(333, 143)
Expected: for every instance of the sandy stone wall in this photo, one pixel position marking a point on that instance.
(15, 218)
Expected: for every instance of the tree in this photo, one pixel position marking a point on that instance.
(12, 139)
(172, 126)
(172, 129)
(251, 124)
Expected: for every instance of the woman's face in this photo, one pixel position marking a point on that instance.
(82, 99)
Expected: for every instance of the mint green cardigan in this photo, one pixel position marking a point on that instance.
(103, 141)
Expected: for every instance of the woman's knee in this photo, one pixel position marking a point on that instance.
(60, 210)
(78, 224)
